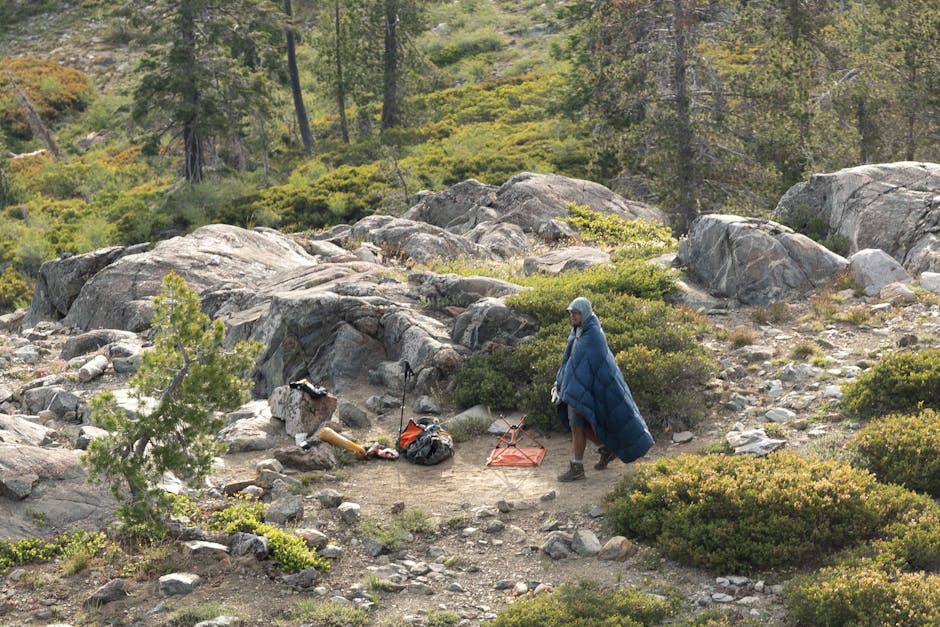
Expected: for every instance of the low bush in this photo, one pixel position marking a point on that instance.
(585, 605)
(288, 549)
(655, 345)
(902, 383)
(639, 239)
(328, 614)
(864, 595)
(53, 90)
(744, 514)
(32, 550)
(15, 290)
(903, 449)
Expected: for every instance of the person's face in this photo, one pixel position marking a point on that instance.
(575, 317)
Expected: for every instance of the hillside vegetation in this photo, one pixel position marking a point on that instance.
(753, 100)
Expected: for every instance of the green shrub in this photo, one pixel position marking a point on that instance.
(903, 449)
(286, 548)
(902, 383)
(396, 533)
(15, 291)
(744, 514)
(775, 312)
(53, 89)
(328, 614)
(638, 239)
(864, 595)
(655, 345)
(66, 545)
(452, 49)
(585, 605)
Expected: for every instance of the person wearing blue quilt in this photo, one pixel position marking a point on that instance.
(593, 399)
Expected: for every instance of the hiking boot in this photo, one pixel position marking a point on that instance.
(575, 473)
(607, 456)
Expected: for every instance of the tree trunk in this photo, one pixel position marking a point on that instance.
(340, 86)
(685, 166)
(391, 116)
(193, 157)
(302, 122)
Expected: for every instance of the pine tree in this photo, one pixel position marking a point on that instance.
(189, 377)
(205, 75)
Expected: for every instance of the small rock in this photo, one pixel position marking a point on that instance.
(683, 437)
(721, 597)
(617, 549)
(314, 538)
(111, 591)
(285, 509)
(304, 579)
(349, 512)
(178, 583)
(248, 544)
(456, 587)
(548, 496)
(417, 587)
(329, 498)
(748, 600)
(199, 548)
(520, 588)
(331, 551)
(780, 414)
(270, 464)
(585, 543)
(221, 621)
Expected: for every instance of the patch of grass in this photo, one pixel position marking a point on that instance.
(191, 616)
(441, 618)
(824, 307)
(586, 604)
(396, 533)
(328, 614)
(151, 560)
(776, 313)
(803, 350)
(856, 315)
(467, 429)
(741, 337)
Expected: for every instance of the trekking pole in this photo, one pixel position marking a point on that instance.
(404, 390)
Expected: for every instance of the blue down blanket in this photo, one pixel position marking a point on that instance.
(590, 381)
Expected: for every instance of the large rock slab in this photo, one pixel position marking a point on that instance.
(458, 208)
(19, 429)
(417, 241)
(874, 269)
(93, 340)
(532, 201)
(60, 282)
(490, 320)
(755, 261)
(58, 489)
(252, 428)
(565, 259)
(119, 295)
(442, 290)
(894, 207)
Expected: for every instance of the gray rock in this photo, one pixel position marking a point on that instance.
(88, 434)
(286, 509)
(427, 405)
(755, 261)
(221, 621)
(780, 414)
(352, 415)
(799, 372)
(91, 341)
(17, 487)
(503, 240)
(329, 498)
(320, 456)
(489, 320)
(62, 403)
(178, 583)
(682, 437)
(203, 549)
(534, 201)
(119, 295)
(930, 281)
(349, 512)
(585, 543)
(441, 290)
(331, 551)
(314, 538)
(557, 545)
(897, 294)
(373, 547)
(300, 411)
(565, 259)
(252, 428)
(248, 544)
(888, 206)
(271, 464)
(60, 282)
(23, 430)
(306, 578)
(458, 208)
(28, 354)
(753, 442)
(873, 269)
(109, 592)
(418, 241)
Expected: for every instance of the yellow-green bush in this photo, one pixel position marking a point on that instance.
(903, 449)
(15, 291)
(53, 89)
(31, 550)
(585, 605)
(746, 514)
(288, 549)
(655, 345)
(635, 238)
(864, 595)
(902, 383)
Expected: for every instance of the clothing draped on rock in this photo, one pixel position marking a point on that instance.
(590, 381)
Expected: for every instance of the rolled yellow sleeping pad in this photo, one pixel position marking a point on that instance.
(331, 437)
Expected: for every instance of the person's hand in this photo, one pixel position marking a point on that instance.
(555, 396)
